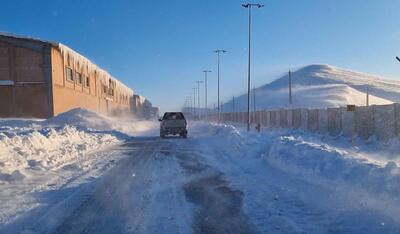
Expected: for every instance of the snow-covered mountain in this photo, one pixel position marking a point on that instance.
(321, 86)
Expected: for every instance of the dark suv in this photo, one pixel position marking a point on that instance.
(173, 123)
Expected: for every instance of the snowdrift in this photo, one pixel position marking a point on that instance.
(371, 168)
(322, 86)
(29, 145)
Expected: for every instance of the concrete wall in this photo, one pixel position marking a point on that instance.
(33, 81)
(69, 94)
(382, 121)
(24, 86)
(334, 121)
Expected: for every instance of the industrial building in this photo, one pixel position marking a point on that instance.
(41, 79)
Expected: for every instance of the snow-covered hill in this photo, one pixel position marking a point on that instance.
(320, 86)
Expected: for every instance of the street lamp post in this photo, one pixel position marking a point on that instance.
(205, 90)
(198, 97)
(249, 6)
(194, 102)
(218, 103)
(190, 105)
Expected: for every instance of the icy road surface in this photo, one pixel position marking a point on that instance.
(216, 181)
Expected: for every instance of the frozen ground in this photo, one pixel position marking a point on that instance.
(219, 180)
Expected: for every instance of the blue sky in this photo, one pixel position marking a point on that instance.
(159, 48)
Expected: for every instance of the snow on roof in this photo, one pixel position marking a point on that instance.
(80, 59)
(11, 35)
(83, 61)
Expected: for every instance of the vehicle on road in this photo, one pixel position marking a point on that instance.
(173, 123)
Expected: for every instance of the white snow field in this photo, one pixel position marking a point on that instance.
(219, 180)
(321, 86)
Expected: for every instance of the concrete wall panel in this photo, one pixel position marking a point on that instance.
(397, 118)
(31, 101)
(364, 122)
(5, 73)
(274, 119)
(6, 98)
(296, 118)
(28, 96)
(334, 121)
(312, 121)
(289, 118)
(322, 120)
(348, 127)
(304, 119)
(283, 118)
(384, 121)
(28, 66)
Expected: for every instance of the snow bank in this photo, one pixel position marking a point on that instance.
(29, 145)
(47, 148)
(84, 119)
(323, 162)
(371, 167)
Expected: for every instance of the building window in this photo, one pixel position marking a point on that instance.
(87, 81)
(111, 85)
(69, 74)
(78, 77)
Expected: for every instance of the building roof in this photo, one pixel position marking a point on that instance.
(29, 38)
(65, 50)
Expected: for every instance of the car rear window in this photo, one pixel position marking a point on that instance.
(173, 115)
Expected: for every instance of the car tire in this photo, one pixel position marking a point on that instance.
(184, 134)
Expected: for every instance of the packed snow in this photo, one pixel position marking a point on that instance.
(321, 86)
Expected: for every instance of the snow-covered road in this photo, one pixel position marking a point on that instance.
(221, 180)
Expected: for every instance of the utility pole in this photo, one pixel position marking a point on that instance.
(233, 108)
(254, 104)
(190, 104)
(198, 98)
(190, 108)
(186, 106)
(194, 102)
(290, 89)
(218, 102)
(367, 98)
(233, 104)
(249, 6)
(205, 87)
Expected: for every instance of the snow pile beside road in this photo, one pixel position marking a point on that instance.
(47, 148)
(300, 182)
(84, 119)
(322, 162)
(371, 167)
(29, 145)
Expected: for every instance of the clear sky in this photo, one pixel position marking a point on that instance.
(159, 48)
